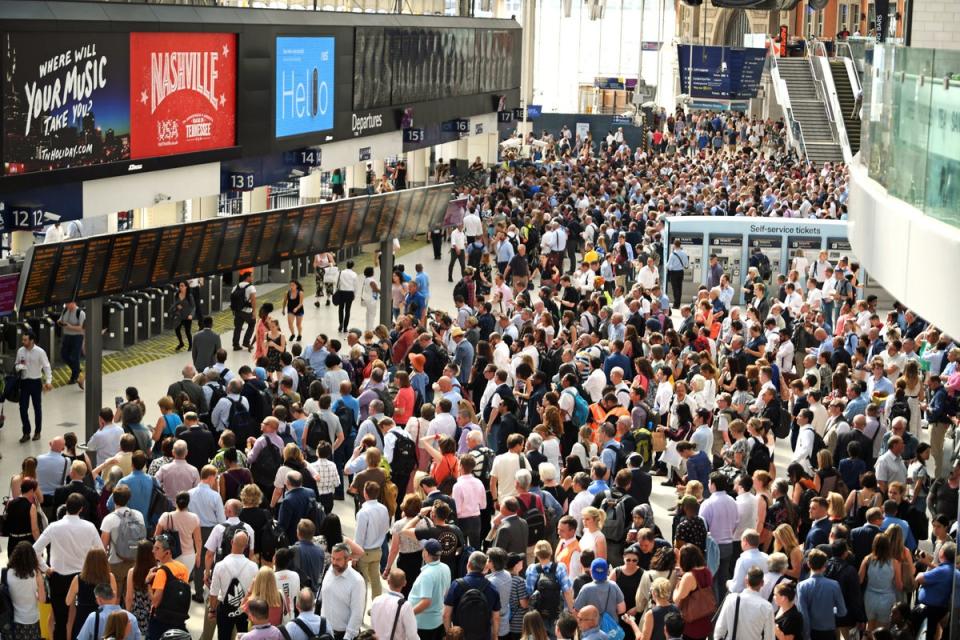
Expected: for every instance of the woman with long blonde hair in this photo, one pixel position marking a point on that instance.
(915, 395)
(785, 541)
(266, 588)
(593, 538)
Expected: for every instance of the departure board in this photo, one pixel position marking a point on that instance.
(111, 264)
(232, 239)
(207, 259)
(186, 260)
(145, 253)
(269, 236)
(95, 266)
(305, 233)
(67, 274)
(166, 256)
(369, 232)
(247, 255)
(288, 234)
(401, 214)
(37, 283)
(321, 235)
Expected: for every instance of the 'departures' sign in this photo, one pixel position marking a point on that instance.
(720, 73)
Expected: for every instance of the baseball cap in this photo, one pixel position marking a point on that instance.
(599, 569)
(431, 546)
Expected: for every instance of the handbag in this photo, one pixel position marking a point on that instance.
(339, 297)
(173, 537)
(659, 441)
(609, 624)
(700, 603)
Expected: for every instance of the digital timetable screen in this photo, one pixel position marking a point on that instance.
(111, 264)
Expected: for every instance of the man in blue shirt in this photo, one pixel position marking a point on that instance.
(415, 304)
(890, 518)
(617, 359)
(95, 624)
(588, 619)
(141, 488)
(698, 464)
(936, 585)
(856, 401)
(295, 504)
(316, 355)
(422, 281)
(820, 600)
(820, 528)
(474, 579)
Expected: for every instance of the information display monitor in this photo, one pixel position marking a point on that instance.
(96, 265)
(141, 264)
(167, 250)
(230, 244)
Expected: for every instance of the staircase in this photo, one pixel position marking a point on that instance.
(809, 111)
(851, 119)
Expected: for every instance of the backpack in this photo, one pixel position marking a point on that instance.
(581, 409)
(317, 431)
(6, 607)
(226, 540)
(899, 409)
(286, 434)
(713, 554)
(487, 466)
(535, 518)
(644, 444)
(272, 537)
(265, 468)
(782, 428)
(546, 597)
(460, 289)
(232, 603)
(217, 393)
(315, 514)
(174, 607)
(322, 634)
(348, 420)
(759, 459)
(387, 401)
(615, 525)
(404, 454)
(128, 535)
(239, 420)
(763, 265)
(621, 458)
(472, 613)
(238, 298)
(818, 445)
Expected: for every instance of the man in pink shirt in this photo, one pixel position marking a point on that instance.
(178, 475)
(471, 498)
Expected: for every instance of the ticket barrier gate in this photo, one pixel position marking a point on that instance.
(44, 330)
(144, 301)
(281, 271)
(114, 310)
(155, 319)
(167, 295)
(212, 294)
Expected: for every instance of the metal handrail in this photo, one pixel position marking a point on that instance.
(798, 133)
(783, 95)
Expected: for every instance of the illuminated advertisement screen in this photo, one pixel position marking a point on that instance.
(304, 85)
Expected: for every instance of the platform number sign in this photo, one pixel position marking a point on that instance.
(413, 135)
(241, 181)
(309, 157)
(22, 218)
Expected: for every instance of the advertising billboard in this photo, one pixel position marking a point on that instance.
(304, 85)
(65, 101)
(183, 92)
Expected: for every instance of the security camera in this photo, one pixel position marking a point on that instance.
(160, 197)
(51, 217)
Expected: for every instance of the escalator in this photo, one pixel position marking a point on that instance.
(848, 102)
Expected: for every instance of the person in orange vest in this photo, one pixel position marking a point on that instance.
(568, 547)
(607, 410)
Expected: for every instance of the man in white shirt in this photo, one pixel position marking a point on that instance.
(120, 559)
(805, 440)
(69, 539)
(54, 234)
(596, 381)
(231, 509)
(472, 226)
(458, 252)
(583, 499)
(390, 615)
(785, 353)
(751, 557)
(444, 423)
(226, 596)
(106, 441)
(503, 473)
(746, 616)
(343, 595)
(36, 376)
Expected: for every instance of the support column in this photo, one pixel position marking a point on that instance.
(528, 55)
(20, 241)
(93, 366)
(386, 282)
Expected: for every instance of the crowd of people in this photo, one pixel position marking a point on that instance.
(500, 449)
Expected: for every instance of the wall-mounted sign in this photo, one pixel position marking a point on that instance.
(518, 113)
(183, 90)
(365, 154)
(504, 116)
(241, 181)
(22, 217)
(622, 120)
(458, 125)
(478, 129)
(304, 85)
(720, 73)
(413, 135)
(306, 157)
(66, 100)
(534, 111)
(647, 45)
(365, 123)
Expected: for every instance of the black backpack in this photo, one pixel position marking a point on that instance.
(226, 541)
(547, 598)
(217, 393)
(759, 459)
(232, 604)
(473, 613)
(535, 518)
(322, 634)
(265, 468)
(348, 420)
(174, 607)
(460, 289)
(404, 454)
(317, 431)
(238, 298)
(899, 409)
(763, 266)
(818, 445)
(239, 420)
(384, 396)
(782, 428)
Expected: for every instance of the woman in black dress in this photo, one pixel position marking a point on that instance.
(23, 514)
(478, 383)
(96, 570)
(628, 578)
(788, 619)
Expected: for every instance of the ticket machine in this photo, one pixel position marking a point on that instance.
(806, 246)
(692, 243)
(772, 247)
(728, 247)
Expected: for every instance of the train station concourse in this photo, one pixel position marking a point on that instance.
(479, 319)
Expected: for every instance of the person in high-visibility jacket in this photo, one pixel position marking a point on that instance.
(607, 410)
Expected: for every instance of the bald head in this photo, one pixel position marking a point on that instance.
(57, 444)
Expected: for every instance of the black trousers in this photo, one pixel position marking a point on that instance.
(343, 311)
(59, 585)
(70, 348)
(437, 240)
(156, 628)
(675, 278)
(471, 529)
(240, 319)
(226, 624)
(32, 389)
(572, 254)
(432, 634)
(187, 327)
(455, 257)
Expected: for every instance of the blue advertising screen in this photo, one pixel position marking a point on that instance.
(721, 73)
(304, 85)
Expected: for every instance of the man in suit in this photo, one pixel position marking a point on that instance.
(820, 530)
(463, 355)
(509, 529)
(295, 504)
(861, 538)
(78, 470)
(205, 345)
(188, 386)
(201, 446)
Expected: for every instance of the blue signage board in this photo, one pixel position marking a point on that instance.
(304, 85)
(460, 125)
(720, 73)
(534, 111)
(622, 120)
